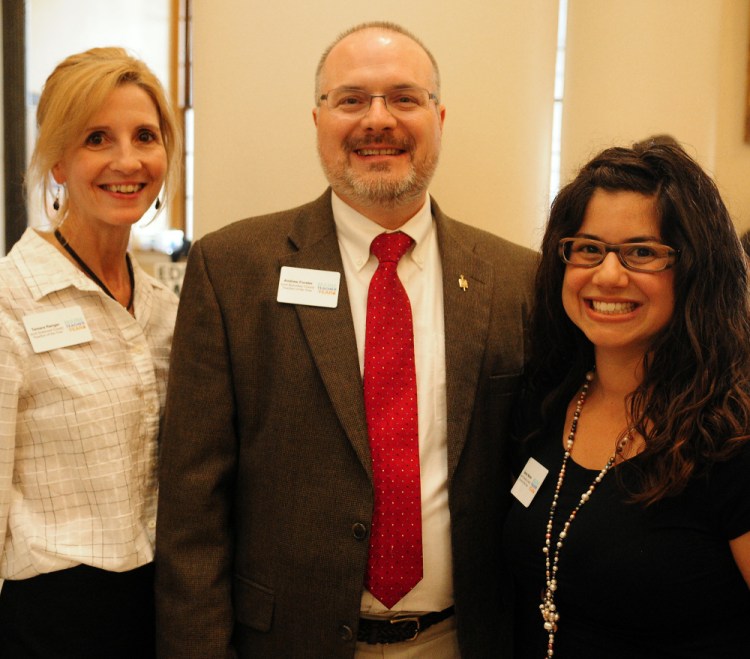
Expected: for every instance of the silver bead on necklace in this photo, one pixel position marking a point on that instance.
(548, 608)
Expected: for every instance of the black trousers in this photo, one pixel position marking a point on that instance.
(79, 613)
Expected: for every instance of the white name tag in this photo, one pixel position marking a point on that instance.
(529, 482)
(315, 288)
(57, 329)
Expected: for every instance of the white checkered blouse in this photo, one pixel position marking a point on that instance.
(78, 425)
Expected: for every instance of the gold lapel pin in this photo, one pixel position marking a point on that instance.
(463, 283)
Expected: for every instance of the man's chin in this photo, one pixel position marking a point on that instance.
(385, 190)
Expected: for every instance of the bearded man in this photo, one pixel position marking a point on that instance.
(334, 469)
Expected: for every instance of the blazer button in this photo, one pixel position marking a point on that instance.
(346, 633)
(359, 531)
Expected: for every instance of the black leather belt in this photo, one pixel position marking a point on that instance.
(400, 627)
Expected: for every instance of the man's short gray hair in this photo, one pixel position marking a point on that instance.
(375, 25)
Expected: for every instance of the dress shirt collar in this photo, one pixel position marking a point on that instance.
(356, 232)
(46, 270)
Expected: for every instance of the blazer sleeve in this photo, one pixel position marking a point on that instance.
(197, 467)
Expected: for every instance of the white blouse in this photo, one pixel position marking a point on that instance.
(78, 424)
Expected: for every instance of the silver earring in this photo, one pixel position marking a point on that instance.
(56, 203)
(157, 205)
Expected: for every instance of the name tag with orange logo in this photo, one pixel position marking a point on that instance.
(315, 288)
(59, 328)
(529, 481)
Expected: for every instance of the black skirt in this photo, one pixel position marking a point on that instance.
(79, 613)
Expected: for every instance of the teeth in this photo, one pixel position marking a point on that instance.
(126, 189)
(613, 307)
(379, 152)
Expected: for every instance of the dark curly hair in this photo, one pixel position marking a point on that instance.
(693, 405)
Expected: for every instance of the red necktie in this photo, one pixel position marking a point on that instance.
(395, 561)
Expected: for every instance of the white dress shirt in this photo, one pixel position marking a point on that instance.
(78, 424)
(420, 273)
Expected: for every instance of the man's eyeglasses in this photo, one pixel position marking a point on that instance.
(357, 102)
(641, 257)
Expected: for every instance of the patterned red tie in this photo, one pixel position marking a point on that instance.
(395, 561)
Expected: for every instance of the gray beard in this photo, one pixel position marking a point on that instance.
(381, 191)
(384, 192)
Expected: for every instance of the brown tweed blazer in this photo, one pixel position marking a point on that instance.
(266, 490)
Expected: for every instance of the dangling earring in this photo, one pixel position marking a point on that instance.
(157, 205)
(56, 203)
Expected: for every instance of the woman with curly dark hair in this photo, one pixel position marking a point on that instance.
(631, 535)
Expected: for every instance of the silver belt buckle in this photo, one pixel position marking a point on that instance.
(407, 617)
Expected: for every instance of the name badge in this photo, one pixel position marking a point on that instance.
(59, 328)
(529, 481)
(315, 288)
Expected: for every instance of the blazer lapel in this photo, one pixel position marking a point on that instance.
(467, 287)
(330, 332)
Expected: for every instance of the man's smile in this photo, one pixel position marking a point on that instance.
(379, 152)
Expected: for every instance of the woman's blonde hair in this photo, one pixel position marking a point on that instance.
(73, 93)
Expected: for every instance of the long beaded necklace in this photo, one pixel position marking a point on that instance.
(548, 608)
(61, 239)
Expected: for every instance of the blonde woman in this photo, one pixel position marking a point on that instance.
(84, 346)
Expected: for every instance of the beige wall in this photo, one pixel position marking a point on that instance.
(634, 67)
(731, 152)
(640, 67)
(255, 139)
